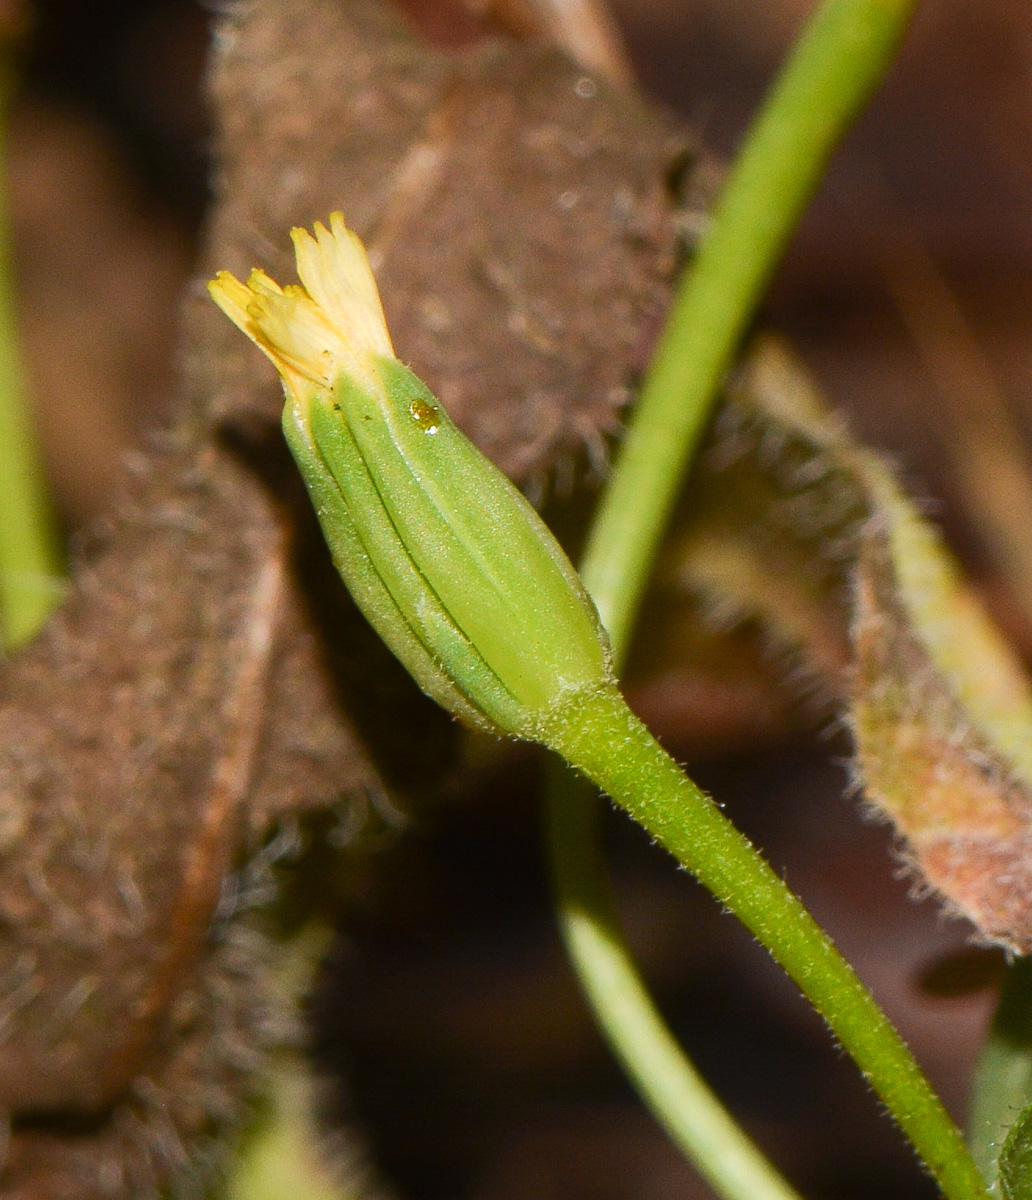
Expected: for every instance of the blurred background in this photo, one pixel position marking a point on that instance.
(471, 1066)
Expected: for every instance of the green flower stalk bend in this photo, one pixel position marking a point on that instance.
(468, 587)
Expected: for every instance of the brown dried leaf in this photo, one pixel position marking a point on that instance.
(942, 714)
(793, 522)
(207, 677)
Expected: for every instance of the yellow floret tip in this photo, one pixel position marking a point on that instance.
(327, 327)
(335, 271)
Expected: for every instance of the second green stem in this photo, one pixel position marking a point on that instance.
(30, 562)
(839, 59)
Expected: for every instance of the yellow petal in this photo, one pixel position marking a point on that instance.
(329, 327)
(335, 271)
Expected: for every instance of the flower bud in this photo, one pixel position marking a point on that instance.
(450, 564)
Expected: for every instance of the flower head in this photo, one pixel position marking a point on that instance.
(444, 556)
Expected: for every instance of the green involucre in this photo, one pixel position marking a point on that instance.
(445, 557)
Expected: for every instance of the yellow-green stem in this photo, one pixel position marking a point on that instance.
(29, 556)
(284, 1155)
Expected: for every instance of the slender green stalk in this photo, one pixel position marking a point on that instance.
(284, 1159)
(672, 1087)
(1002, 1085)
(839, 59)
(29, 558)
(611, 747)
(841, 56)
(284, 1155)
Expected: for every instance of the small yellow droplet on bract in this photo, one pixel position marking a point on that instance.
(424, 414)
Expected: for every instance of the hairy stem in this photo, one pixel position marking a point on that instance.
(605, 741)
(842, 54)
(668, 1081)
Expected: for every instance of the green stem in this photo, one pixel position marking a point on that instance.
(29, 557)
(608, 744)
(668, 1081)
(1002, 1086)
(842, 54)
(284, 1156)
